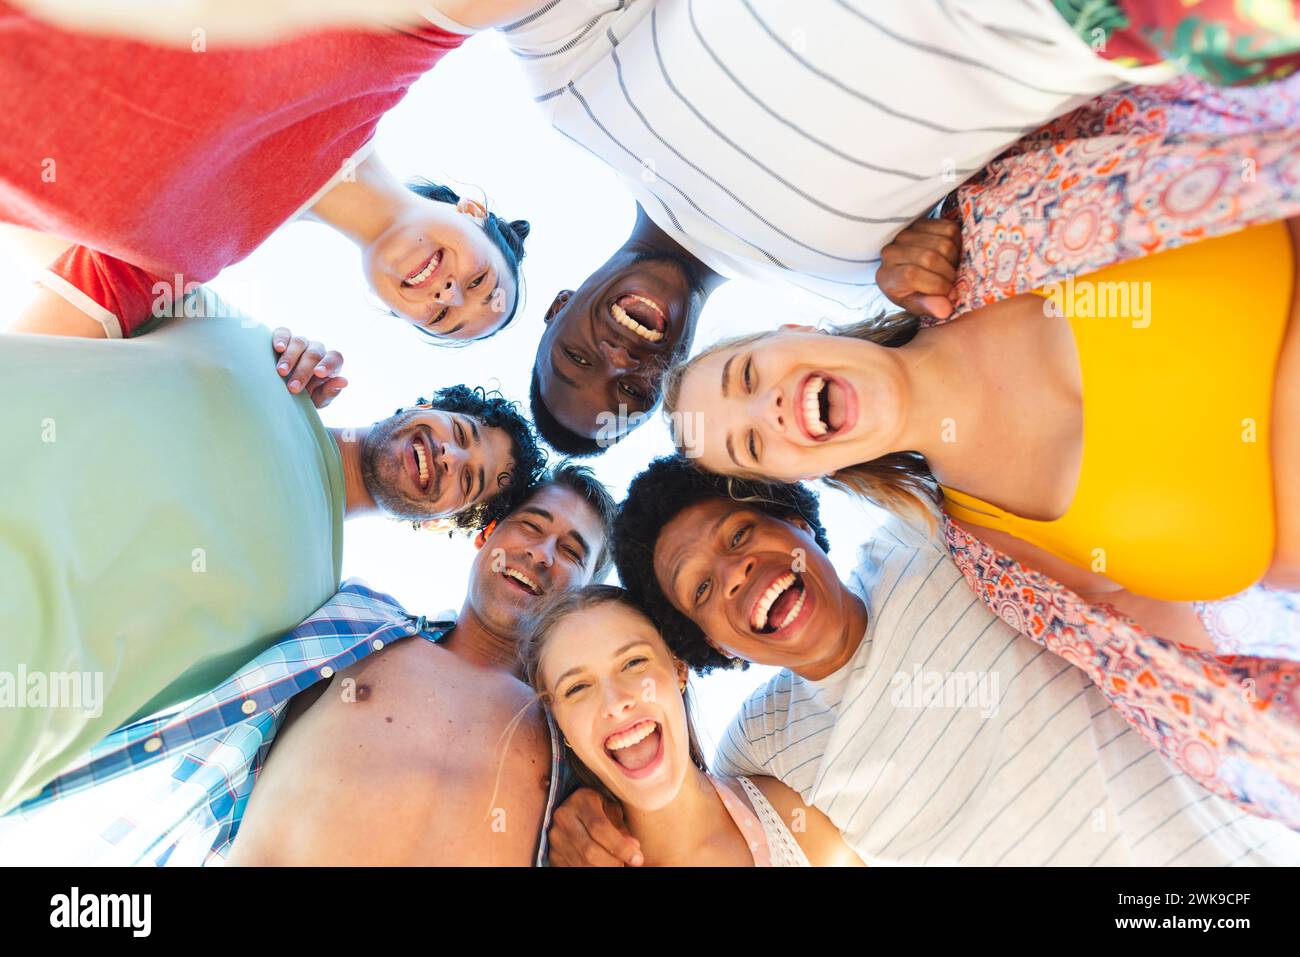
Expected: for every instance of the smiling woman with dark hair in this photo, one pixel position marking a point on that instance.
(255, 137)
(654, 499)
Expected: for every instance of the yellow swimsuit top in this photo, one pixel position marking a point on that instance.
(1178, 354)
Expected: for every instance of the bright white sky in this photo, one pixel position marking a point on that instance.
(471, 124)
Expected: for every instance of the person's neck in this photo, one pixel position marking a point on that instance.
(357, 497)
(952, 407)
(675, 835)
(647, 237)
(853, 630)
(474, 641)
(940, 400)
(364, 207)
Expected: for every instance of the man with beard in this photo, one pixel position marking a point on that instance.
(923, 726)
(435, 753)
(170, 510)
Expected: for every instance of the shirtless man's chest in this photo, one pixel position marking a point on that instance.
(411, 757)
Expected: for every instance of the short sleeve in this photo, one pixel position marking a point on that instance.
(557, 43)
(735, 756)
(116, 294)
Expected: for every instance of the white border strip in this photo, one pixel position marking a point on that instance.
(439, 19)
(74, 296)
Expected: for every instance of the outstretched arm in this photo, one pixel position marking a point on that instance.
(51, 315)
(1177, 621)
(588, 831)
(254, 21)
(819, 839)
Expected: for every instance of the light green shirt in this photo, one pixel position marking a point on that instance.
(168, 511)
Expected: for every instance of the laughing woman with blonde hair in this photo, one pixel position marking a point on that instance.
(1143, 462)
(618, 694)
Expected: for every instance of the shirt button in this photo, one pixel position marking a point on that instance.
(327, 672)
(377, 644)
(249, 706)
(153, 744)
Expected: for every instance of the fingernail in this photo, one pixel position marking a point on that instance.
(320, 370)
(293, 385)
(282, 367)
(279, 343)
(637, 860)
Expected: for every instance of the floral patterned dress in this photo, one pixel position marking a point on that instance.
(1133, 173)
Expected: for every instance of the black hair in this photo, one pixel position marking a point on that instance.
(559, 437)
(656, 496)
(494, 410)
(582, 481)
(507, 236)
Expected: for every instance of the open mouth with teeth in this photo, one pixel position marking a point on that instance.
(420, 465)
(519, 580)
(636, 749)
(780, 605)
(643, 316)
(826, 406)
(422, 462)
(424, 272)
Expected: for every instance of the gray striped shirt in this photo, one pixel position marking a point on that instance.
(791, 139)
(952, 739)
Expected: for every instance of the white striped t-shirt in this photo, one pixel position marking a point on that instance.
(952, 739)
(792, 139)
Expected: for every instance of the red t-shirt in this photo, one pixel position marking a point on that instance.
(168, 161)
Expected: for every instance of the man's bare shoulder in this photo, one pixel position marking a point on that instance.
(411, 756)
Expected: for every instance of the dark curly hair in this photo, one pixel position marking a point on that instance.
(507, 236)
(656, 496)
(495, 411)
(559, 437)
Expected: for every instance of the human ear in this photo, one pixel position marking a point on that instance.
(484, 534)
(683, 673)
(472, 208)
(558, 303)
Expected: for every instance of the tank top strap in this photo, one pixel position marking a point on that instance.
(783, 849)
(968, 508)
(747, 822)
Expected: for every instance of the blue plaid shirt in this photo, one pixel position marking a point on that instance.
(216, 745)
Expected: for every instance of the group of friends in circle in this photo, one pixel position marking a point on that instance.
(1066, 486)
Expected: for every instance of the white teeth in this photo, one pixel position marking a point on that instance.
(812, 410)
(774, 590)
(421, 462)
(625, 739)
(793, 613)
(623, 319)
(424, 273)
(520, 576)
